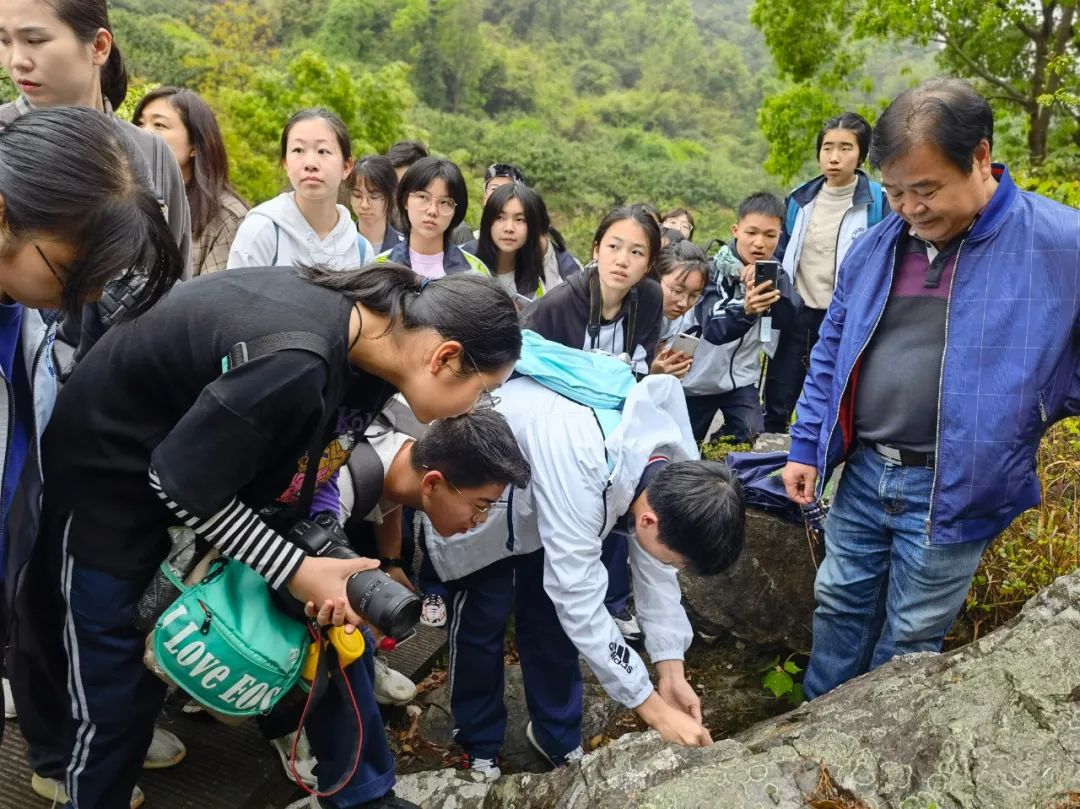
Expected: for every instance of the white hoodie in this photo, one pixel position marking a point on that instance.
(571, 504)
(278, 228)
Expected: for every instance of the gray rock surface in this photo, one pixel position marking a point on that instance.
(772, 442)
(994, 725)
(767, 596)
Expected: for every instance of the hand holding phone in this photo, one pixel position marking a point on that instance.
(767, 271)
(764, 292)
(685, 343)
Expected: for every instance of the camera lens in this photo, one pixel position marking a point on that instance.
(387, 605)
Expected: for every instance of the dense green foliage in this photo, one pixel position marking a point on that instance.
(1023, 55)
(601, 102)
(680, 102)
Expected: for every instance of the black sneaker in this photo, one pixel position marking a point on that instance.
(628, 625)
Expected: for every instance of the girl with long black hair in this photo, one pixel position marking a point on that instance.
(613, 305)
(187, 124)
(156, 429)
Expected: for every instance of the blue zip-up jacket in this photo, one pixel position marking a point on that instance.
(391, 238)
(867, 209)
(454, 258)
(731, 357)
(1010, 366)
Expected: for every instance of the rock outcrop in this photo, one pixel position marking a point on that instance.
(994, 725)
(767, 596)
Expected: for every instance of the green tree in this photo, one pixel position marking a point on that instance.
(372, 105)
(160, 48)
(1022, 54)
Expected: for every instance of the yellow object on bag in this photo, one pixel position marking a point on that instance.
(349, 646)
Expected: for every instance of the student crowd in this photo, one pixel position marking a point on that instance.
(924, 331)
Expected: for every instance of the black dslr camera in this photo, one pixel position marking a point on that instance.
(393, 609)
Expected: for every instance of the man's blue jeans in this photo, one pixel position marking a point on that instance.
(883, 589)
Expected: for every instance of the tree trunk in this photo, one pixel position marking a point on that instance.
(1038, 127)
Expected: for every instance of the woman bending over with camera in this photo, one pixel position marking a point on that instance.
(205, 412)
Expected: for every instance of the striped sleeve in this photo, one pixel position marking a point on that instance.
(239, 533)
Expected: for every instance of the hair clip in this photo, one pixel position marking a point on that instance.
(423, 283)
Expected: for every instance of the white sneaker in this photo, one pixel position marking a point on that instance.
(166, 750)
(9, 700)
(391, 686)
(433, 613)
(481, 770)
(628, 625)
(305, 761)
(557, 761)
(51, 789)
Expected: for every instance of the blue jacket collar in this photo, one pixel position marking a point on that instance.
(807, 191)
(453, 259)
(391, 239)
(998, 207)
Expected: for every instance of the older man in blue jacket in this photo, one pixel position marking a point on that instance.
(951, 345)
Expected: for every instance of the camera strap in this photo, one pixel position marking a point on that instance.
(324, 675)
(247, 350)
(596, 305)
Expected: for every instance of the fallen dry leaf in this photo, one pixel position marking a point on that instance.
(828, 794)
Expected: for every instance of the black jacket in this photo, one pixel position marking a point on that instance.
(562, 315)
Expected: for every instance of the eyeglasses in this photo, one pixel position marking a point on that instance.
(684, 294)
(445, 205)
(684, 227)
(487, 399)
(48, 263)
(481, 511)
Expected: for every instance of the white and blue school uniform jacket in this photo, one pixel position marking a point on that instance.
(867, 209)
(582, 482)
(24, 515)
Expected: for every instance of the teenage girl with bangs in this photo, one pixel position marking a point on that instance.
(683, 270)
(372, 196)
(511, 242)
(432, 200)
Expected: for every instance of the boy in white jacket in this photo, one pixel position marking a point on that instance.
(541, 548)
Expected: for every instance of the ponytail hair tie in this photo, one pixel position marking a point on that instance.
(423, 283)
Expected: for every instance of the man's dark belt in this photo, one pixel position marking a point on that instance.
(903, 457)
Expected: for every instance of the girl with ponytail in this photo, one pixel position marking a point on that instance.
(207, 411)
